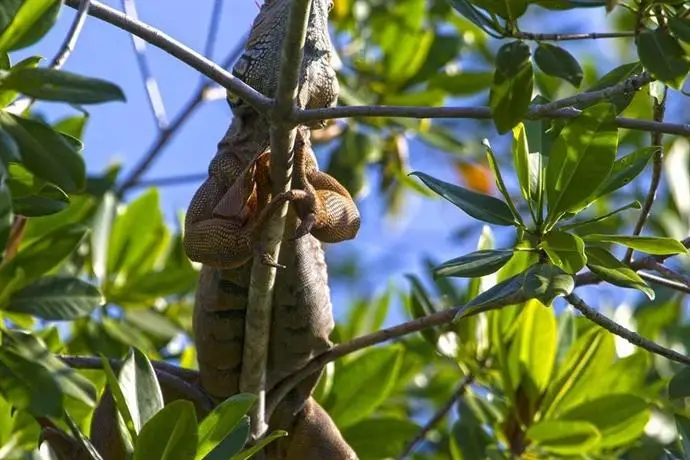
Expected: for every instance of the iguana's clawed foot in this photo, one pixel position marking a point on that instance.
(305, 226)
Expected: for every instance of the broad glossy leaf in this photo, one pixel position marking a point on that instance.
(43, 254)
(520, 150)
(465, 8)
(680, 27)
(9, 151)
(626, 169)
(362, 384)
(614, 77)
(57, 85)
(679, 385)
(663, 57)
(421, 305)
(444, 48)
(620, 418)
(33, 349)
(511, 88)
(56, 299)
(564, 437)
(46, 153)
(581, 159)
(565, 250)
(482, 207)
(49, 200)
(536, 347)
(608, 268)
(475, 264)
(233, 444)
(656, 245)
(170, 435)
(28, 385)
(557, 62)
(594, 220)
(73, 125)
(128, 431)
(545, 282)
(30, 21)
(589, 358)
(365, 437)
(500, 185)
(222, 421)
(140, 388)
(683, 427)
(259, 445)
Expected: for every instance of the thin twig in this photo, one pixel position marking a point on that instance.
(282, 136)
(170, 181)
(356, 344)
(628, 86)
(657, 166)
(164, 136)
(477, 113)
(671, 284)
(183, 53)
(150, 84)
(72, 36)
(623, 332)
(437, 417)
(565, 37)
(213, 28)
(668, 272)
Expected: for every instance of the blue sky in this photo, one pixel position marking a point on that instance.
(122, 132)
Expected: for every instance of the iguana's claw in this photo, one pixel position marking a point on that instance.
(305, 226)
(264, 257)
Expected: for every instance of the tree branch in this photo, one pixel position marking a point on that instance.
(150, 84)
(671, 284)
(657, 164)
(72, 35)
(171, 46)
(282, 134)
(180, 379)
(438, 416)
(165, 135)
(568, 37)
(623, 332)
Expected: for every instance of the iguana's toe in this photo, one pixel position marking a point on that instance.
(305, 226)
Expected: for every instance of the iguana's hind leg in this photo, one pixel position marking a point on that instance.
(326, 209)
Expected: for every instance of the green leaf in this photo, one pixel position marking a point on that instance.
(680, 27)
(28, 385)
(588, 359)
(565, 250)
(128, 432)
(545, 282)
(362, 384)
(232, 445)
(222, 421)
(633, 205)
(56, 299)
(679, 385)
(683, 427)
(500, 185)
(6, 215)
(34, 349)
(482, 207)
(140, 388)
(650, 244)
(170, 435)
(536, 344)
(475, 264)
(73, 125)
(620, 418)
(626, 169)
(46, 153)
(581, 159)
(49, 200)
(462, 83)
(614, 77)
(465, 8)
(29, 23)
(365, 437)
(259, 445)
(43, 254)
(420, 306)
(520, 149)
(57, 85)
(663, 57)
(511, 88)
(564, 437)
(557, 62)
(608, 268)
(9, 151)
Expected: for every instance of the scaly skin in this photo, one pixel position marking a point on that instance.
(221, 227)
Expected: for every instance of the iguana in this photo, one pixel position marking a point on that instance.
(222, 225)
